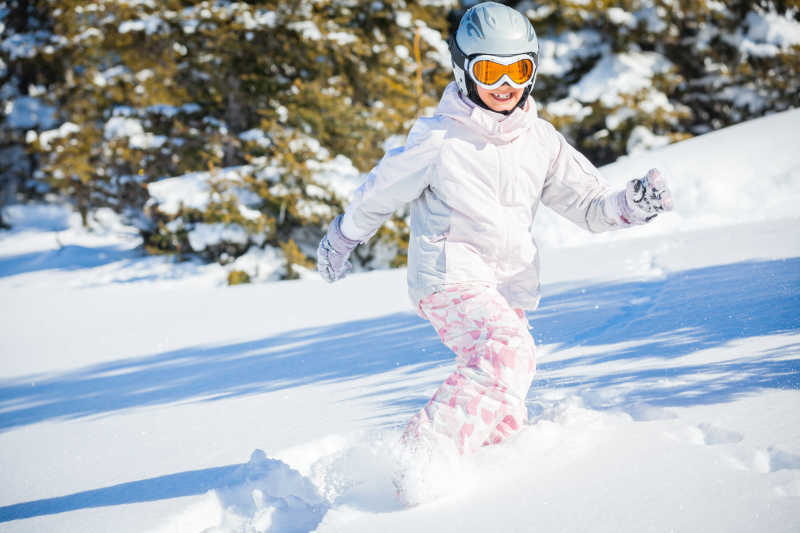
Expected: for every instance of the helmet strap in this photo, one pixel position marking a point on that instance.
(525, 94)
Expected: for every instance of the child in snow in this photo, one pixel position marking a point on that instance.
(474, 174)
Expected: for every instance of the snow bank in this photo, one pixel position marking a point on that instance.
(323, 485)
(262, 495)
(745, 173)
(575, 447)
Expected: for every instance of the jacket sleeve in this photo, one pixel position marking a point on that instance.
(575, 188)
(398, 178)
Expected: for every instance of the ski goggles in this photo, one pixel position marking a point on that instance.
(490, 72)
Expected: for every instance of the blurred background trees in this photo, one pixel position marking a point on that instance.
(224, 128)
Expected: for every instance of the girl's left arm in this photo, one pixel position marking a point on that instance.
(575, 188)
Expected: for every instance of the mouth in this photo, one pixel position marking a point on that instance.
(503, 97)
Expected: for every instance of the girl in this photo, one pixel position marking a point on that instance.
(475, 173)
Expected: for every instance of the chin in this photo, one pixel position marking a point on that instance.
(505, 107)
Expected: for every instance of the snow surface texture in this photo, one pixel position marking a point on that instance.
(134, 389)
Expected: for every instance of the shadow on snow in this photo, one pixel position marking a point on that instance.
(68, 257)
(159, 488)
(667, 318)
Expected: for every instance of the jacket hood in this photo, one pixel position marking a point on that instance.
(497, 127)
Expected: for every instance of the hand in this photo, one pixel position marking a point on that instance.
(645, 198)
(333, 253)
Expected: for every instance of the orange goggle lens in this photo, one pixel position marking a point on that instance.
(488, 72)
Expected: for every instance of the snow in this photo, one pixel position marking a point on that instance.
(440, 52)
(89, 33)
(263, 19)
(558, 54)
(769, 34)
(654, 18)
(724, 181)
(46, 137)
(339, 175)
(256, 136)
(132, 129)
(643, 139)
(204, 235)
(139, 393)
(149, 25)
(403, 19)
(193, 190)
(24, 45)
(26, 112)
(342, 38)
(307, 28)
(617, 74)
(621, 17)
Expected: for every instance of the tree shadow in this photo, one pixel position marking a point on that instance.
(295, 502)
(672, 318)
(669, 319)
(69, 257)
(166, 487)
(666, 318)
(701, 308)
(205, 373)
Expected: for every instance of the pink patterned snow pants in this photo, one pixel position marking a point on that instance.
(483, 401)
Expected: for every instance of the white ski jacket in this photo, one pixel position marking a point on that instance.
(475, 179)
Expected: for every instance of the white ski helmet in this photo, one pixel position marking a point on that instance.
(492, 29)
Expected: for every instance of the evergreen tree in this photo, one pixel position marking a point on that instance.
(150, 90)
(247, 108)
(702, 65)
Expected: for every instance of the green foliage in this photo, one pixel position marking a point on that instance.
(160, 89)
(238, 277)
(294, 258)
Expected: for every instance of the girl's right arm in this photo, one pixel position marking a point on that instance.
(400, 177)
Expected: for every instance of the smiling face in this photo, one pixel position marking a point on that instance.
(504, 98)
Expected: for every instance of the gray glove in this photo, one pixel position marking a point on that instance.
(644, 198)
(333, 252)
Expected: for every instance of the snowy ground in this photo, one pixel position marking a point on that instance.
(136, 394)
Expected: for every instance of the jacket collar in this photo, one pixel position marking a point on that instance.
(497, 127)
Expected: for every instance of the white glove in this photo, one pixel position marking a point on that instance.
(333, 253)
(644, 198)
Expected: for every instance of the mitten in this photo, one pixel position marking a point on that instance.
(644, 198)
(333, 253)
